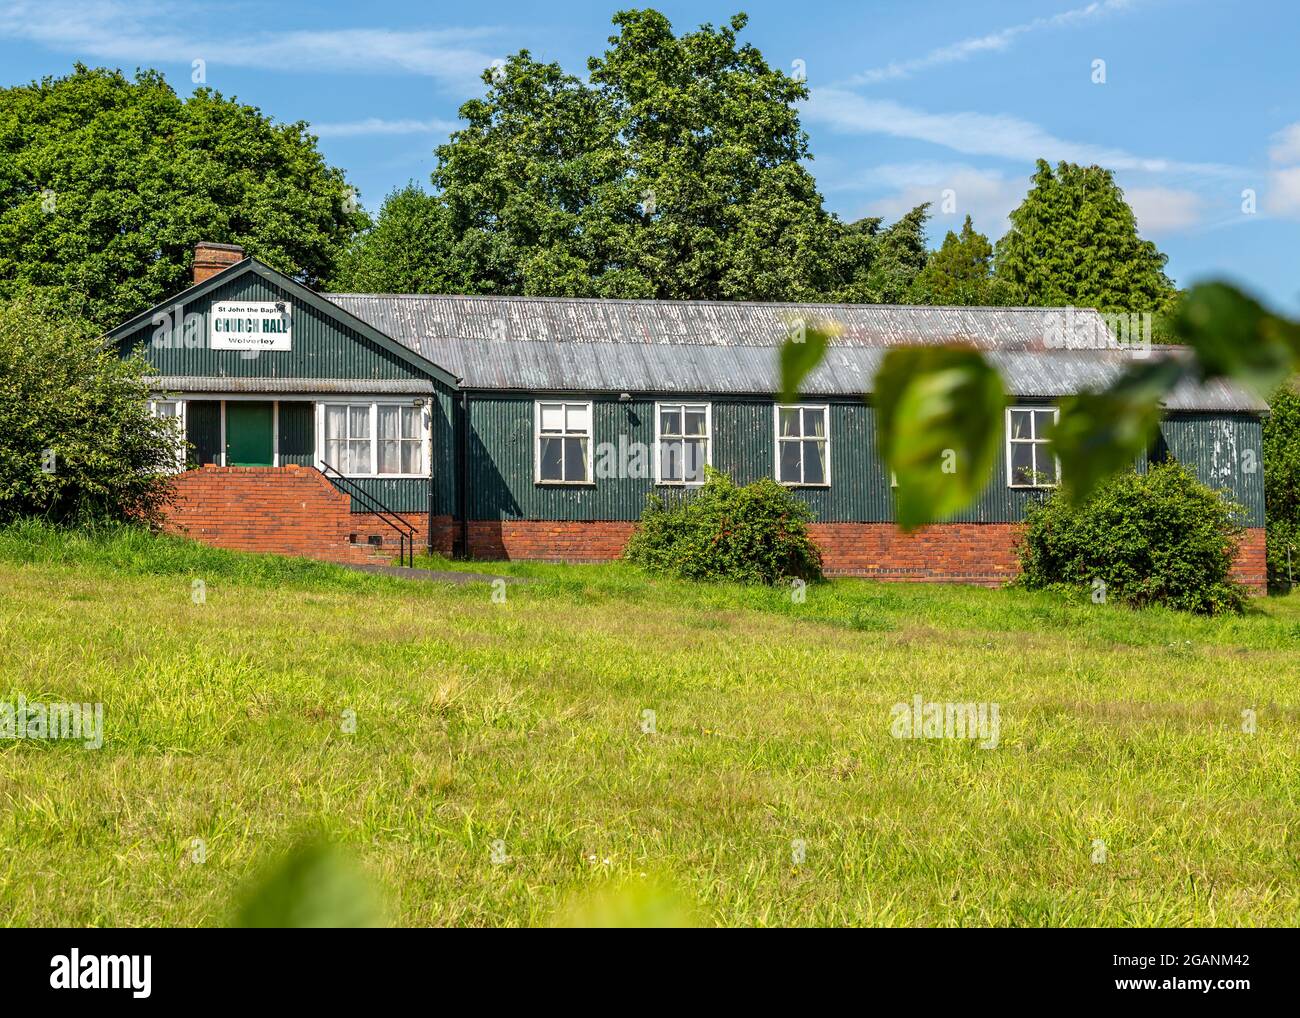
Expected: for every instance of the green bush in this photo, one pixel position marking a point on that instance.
(1156, 538)
(1282, 486)
(754, 534)
(77, 441)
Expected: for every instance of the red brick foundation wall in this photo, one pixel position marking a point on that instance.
(549, 540)
(1251, 566)
(955, 553)
(983, 553)
(977, 553)
(296, 511)
(288, 510)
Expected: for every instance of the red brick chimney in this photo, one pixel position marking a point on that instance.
(210, 258)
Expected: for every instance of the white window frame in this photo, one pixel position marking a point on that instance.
(374, 405)
(1033, 440)
(589, 435)
(659, 439)
(778, 439)
(181, 451)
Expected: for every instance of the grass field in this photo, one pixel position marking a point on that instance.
(1123, 789)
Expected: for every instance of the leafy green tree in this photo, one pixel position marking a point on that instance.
(852, 254)
(1074, 241)
(874, 266)
(1282, 485)
(408, 249)
(77, 441)
(107, 183)
(712, 138)
(961, 272)
(675, 171)
(532, 186)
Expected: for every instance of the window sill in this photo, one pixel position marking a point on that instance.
(1033, 487)
(803, 484)
(384, 477)
(564, 484)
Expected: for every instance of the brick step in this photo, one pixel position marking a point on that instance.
(290, 510)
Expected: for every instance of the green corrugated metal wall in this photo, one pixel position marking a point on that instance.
(203, 430)
(444, 451)
(502, 468)
(1226, 451)
(297, 433)
(322, 348)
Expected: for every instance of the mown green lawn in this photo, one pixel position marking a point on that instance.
(515, 730)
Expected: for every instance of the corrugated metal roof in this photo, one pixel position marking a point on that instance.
(414, 319)
(571, 344)
(227, 383)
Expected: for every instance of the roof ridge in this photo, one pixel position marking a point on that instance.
(659, 302)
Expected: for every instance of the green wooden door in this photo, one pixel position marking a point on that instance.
(250, 434)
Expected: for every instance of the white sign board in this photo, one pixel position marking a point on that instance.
(251, 325)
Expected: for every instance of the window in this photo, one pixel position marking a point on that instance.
(1030, 463)
(401, 439)
(173, 410)
(374, 439)
(682, 435)
(563, 452)
(803, 452)
(347, 438)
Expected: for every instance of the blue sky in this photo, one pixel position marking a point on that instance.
(1200, 103)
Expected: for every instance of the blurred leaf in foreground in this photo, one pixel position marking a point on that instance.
(316, 885)
(938, 425)
(644, 903)
(804, 348)
(1102, 433)
(1236, 337)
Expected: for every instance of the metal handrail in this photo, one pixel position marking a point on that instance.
(405, 532)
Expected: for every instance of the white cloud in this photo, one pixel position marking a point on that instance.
(1164, 209)
(1286, 145)
(986, 134)
(376, 125)
(987, 196)
(1282, 198)
(990, 43)
(133, 33)
(1282, 195)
